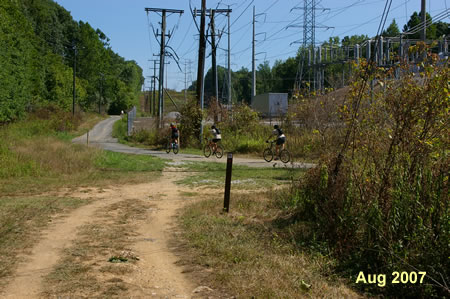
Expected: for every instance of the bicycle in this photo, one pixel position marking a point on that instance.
(269, 152)
(171, 145)
(208, 149)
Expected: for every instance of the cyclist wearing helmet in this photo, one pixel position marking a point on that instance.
(216, 137)
(281, 140)
(175, 133)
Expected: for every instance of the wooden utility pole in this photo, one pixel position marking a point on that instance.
(423, 33)
(215, 82)
(213, 54)
(101, 92)
(162, 56)
(157, 110)
(153, 100)
(229, 63)
(74, 78)
(253, 60)
(201, 55)
(185, 81)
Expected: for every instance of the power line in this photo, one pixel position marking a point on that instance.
(369, 21)
(270, 6)
(421, 25)
(184, 38)
(242, 13)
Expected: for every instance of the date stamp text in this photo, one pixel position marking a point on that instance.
(396, 277)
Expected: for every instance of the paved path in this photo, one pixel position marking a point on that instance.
(100, 136)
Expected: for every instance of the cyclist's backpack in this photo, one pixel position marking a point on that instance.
(218, 131)
(280, 132)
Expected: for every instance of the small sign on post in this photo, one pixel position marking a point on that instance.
(226, 202)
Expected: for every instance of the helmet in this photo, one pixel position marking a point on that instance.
(172, 124)
(213, 127)
(276, 127)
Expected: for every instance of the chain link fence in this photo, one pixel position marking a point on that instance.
(131, 116)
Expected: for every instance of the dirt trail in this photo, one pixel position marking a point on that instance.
(157, 273)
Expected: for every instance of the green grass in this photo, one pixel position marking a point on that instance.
(212, 174)
(120, 130)
(128, 163)
(36, 158)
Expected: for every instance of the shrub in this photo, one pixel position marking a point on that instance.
(155, 137)
(59, 119)
(190, 119)
(382, 204)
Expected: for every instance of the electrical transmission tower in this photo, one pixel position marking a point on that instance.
(309, 39)
(187, 76)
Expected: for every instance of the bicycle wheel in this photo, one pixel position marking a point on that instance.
(268, 155)
(207, 151)
(219, 151)
(175, 148)
(285, 156)
(168, 147)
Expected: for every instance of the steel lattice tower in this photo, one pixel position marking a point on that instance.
(309, 23)
(309, 37)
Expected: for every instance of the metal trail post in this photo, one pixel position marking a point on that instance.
(226, 201)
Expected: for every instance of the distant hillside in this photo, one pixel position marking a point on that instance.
(39, 41)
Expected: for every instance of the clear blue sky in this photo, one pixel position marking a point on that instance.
(128, 26)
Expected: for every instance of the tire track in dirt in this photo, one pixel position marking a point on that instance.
(156, 272)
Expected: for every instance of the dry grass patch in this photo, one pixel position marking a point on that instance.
(100, 259)
(244, 252)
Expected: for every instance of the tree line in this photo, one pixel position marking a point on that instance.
(282, 75)
(39, 44)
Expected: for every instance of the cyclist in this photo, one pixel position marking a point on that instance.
(281, 140)
(175, 134)
(216, 137)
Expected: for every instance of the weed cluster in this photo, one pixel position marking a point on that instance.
(382, 204)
